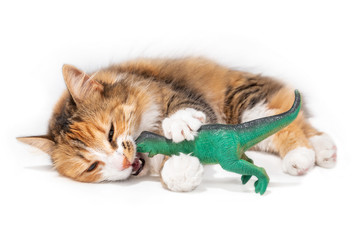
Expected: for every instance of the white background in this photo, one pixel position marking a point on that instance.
(312, 45)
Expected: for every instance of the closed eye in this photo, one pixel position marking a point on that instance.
(92, 166)
(111, 133)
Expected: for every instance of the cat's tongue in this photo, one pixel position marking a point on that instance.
(138, 165)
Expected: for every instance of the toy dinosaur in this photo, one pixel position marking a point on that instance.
(225, 144)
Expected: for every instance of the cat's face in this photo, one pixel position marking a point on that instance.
(93, 128)
(98, 144)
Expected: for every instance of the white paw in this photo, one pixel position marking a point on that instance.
(325, 150)
(298, 161)
(183, 124)
(182, 173)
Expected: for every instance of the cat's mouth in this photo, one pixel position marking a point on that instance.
(138, 165)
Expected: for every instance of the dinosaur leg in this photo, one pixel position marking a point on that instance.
(244, 167)
(246, 178)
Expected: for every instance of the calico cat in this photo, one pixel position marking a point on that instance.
(92, 130)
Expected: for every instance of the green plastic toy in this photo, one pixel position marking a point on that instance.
(225, 144)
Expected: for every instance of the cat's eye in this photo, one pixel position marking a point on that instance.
(92, 167)
(111, 133)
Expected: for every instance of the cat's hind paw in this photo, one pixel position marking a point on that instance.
(325, 150)
(298, 161)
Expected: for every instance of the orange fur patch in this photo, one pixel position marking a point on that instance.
(292, 136)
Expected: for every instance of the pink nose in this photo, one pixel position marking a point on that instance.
(121, 162)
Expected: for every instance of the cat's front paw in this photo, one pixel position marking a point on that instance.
(182, 173)
(183, 124)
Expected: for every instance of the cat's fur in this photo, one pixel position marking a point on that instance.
(172, 97)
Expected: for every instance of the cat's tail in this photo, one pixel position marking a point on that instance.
(257, 130)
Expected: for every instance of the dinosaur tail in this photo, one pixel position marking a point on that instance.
(259, 129)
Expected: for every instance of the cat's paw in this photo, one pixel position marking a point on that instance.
(298, 161)
(325, 150)
(182, 173)
(183, 124)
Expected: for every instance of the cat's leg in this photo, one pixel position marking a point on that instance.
(295, 150)
(299, 140)
(181, 173)
(291, 142)
(324, 146)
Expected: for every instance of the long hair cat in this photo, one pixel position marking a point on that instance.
(91, 132)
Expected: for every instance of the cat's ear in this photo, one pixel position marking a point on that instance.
(44, 143)
(80, 84)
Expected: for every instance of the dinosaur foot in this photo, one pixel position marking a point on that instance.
(245, 178)
(261, 185)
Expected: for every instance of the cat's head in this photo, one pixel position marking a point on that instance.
(94, 124)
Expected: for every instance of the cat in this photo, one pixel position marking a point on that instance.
(94, 124)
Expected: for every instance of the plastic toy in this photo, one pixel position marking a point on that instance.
(225, 144)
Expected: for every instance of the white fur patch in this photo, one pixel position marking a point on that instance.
(298, 161)
(260, 110)
(325, 150)
(149, 120)
(183, 124)
(182, 173)
(109, 171)
(112, 170)
(112, 174)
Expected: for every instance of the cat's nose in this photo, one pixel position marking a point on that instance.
(121, 162)
(126, 163)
